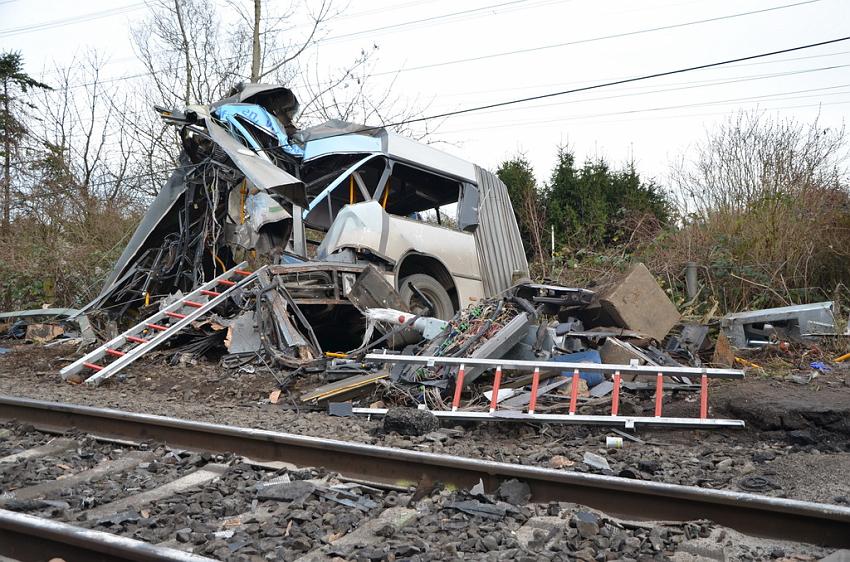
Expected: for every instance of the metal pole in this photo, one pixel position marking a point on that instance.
(691, 280)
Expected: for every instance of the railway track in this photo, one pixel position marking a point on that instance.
(97, 484)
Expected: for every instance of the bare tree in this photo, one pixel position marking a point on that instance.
(766, 207)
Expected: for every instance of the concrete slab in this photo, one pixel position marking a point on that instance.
(126, 462)
(192, 480)
(52, 447)
(365, 533)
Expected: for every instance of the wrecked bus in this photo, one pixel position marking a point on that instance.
(321, 205)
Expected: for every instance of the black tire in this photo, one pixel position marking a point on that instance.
(432, 290)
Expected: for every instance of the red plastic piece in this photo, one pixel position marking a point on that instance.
(458, 388)
(115, 352)
(497, 381)
(156, 326)
(659, 392)
(134, 339)
(228, 283)
(210, 293)
(574, 392)
(615, 395)
(242, 272)
(93, 366)
(193, 304)
(175, 314)
(535, 383)
(703, 397)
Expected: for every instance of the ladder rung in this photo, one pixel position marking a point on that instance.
(193, 304)
(156, 326)
(175, 314)
(115, 352)
(93, 366)
(241, 272)
(226, 282)
(210, 293)
(134, 339)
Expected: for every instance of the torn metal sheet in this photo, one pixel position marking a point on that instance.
(242, 335)
(501, 255)
(257, 167)
(65, 316)
(371, 290)
(754, 328)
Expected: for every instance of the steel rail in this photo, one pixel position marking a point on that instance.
(34, 539)
(635, 499)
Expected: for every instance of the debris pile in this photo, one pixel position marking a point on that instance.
(357, 266)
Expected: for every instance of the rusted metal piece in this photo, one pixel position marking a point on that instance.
(749, 513)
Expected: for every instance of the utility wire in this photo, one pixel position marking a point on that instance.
(404, 24)
(594, 39)
(763, 97)
(686, 86)
(12, 31)
(707, 82)
(602, 85)
(501, 54)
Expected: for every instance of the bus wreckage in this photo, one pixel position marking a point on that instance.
(341, 218)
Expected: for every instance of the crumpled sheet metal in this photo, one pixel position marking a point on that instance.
(256, 166)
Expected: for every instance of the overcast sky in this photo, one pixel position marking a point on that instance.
(457, 61)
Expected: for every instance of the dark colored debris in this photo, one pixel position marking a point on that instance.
(340, 409)
(514, 492)
(410, 421)
(478, 509)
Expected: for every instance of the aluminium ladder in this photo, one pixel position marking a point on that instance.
(614, 419)
(132, 344)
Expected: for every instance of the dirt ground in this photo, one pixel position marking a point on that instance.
(796, 443)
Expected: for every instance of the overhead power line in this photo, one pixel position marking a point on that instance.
(779, 96)
(594, 39)
(680, 87)
(12, 31)
(599, 86)
(504, 53)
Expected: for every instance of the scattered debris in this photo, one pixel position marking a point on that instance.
(514, 492)
(790, 323)
(410, 421)
(595, 461)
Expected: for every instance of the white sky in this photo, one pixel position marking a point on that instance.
(657, 120)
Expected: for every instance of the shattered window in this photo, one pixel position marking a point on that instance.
(418, 194)
(330, 173)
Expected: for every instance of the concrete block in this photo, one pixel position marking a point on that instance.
(638, 303)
